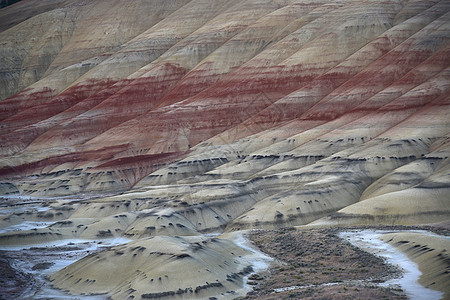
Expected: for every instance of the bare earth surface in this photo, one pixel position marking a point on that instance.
(317, 264)
(162, 124)
(12, 282)
(309, 263)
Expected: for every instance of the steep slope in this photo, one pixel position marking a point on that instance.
(281, 100)
(186, 117)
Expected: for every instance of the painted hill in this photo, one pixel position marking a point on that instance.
(182, 117)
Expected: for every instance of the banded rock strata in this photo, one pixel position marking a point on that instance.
(430, 253)
(178, 118)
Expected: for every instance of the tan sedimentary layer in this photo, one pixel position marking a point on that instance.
(431, 255)
(160, 267)
(178, 118)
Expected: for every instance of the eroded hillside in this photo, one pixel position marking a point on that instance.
(184, 117)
